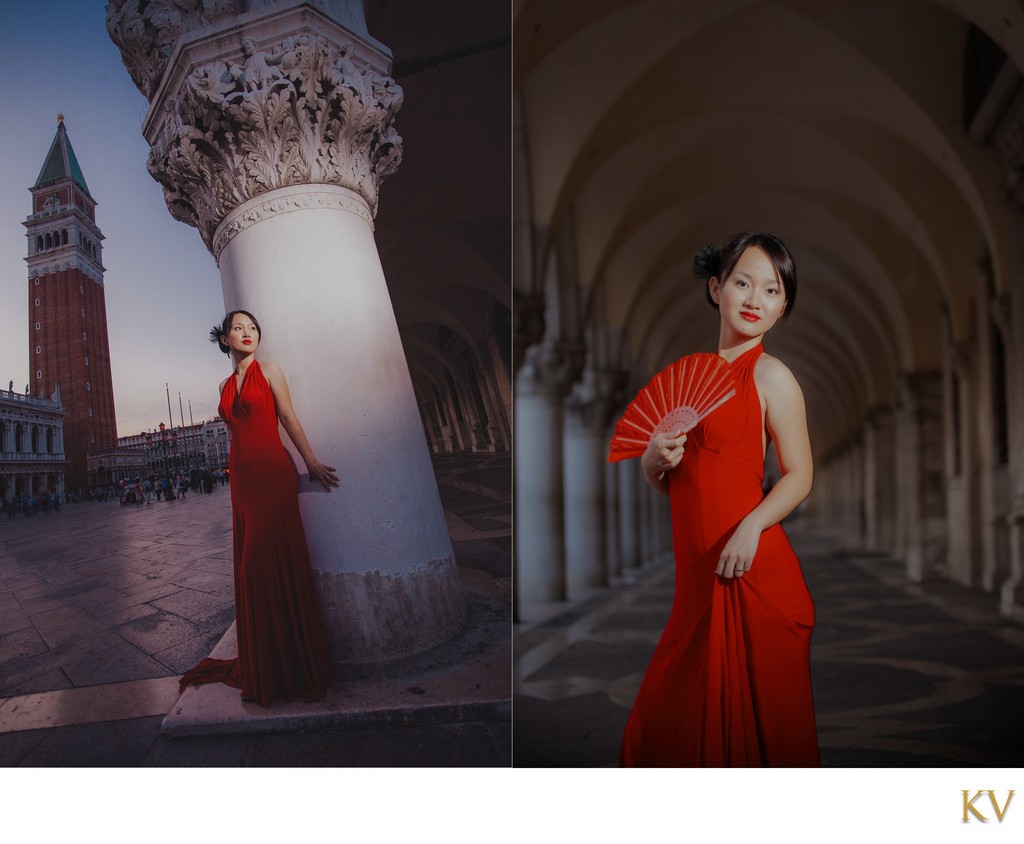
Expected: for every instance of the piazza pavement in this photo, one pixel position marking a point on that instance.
(104, 605)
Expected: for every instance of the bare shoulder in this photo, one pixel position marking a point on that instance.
(774, 378)
(223, 383)
(271, 370)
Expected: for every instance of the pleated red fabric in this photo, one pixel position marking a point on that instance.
(282, 643)
(729, 683)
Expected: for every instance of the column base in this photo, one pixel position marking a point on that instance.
(1011, 599)
(380, 615)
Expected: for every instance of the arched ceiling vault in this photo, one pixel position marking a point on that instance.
(655, 126)
(698, 221)
(426, 256)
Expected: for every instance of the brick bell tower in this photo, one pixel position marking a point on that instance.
(67, 315)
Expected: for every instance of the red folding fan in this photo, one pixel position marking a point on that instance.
(676, 399)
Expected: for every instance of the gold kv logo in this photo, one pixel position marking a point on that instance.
(971, 809)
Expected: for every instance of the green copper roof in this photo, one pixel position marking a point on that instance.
(61, 162)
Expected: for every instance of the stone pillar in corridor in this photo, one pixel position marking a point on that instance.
(629, 480)
(663, 525)
(1012, 591)
(271, 129)
(644, 505)
(1011, 594)
(586, 451)
(879, 468)
(613, 551)
(499, 389)
(1007, 137)
(984, 409)
(921, 539)
(541, 383)
(958, 422)
(854, 521)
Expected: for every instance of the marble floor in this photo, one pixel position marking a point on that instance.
(904, 675)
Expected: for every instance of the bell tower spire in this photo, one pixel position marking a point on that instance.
(67, 319)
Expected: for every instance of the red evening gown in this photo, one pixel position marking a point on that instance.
(282, 644)
(729, 683)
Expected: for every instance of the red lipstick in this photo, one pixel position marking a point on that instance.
(749, 317)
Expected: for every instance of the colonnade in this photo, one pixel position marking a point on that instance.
(31, 445)
(20, 483)
(922, 479)
(902, 204)
(465, 401)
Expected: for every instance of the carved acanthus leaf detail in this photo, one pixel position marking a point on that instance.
(145, 31)
(303, 112)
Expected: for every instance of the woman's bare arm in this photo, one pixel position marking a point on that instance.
(327, 475)
(786, 421)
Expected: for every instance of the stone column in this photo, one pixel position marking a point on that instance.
(540, 522)
(586, 451)
(853, 520)
(984, 408)
(1011, 593)
(271, 129)
(919, 472)
(501, 391)
(629, 510)
(957, 504)
(879, 465)
(611, 517)
(643, 519)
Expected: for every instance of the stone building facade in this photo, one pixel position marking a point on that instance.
(108, 468)
(885, 144)
(180, 449)
(31, 445)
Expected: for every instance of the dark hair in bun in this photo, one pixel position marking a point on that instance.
(712, 262)
(706, 263)
(224, 327)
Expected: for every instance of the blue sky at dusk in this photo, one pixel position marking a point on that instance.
(162, 286)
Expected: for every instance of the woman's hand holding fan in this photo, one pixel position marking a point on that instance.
(663, 453)
(674, 401)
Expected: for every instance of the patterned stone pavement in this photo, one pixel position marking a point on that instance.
(903, 675)
(102, 606)
(104, 593)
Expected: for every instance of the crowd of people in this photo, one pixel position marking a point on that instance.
(29, 505)
(127, 491)
(168, 488)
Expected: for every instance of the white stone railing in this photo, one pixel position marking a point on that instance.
(10, 395)
(37, 457)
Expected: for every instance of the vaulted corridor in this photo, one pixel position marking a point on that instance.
(884, 142)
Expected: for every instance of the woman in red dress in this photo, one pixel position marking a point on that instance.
(282, 644)
(729, 681)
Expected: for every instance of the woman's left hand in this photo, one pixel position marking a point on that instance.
(327, 475)
(738, 554)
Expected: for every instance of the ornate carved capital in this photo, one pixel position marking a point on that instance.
(1000, 309)
(919, 392)
(549, 368)
(529, 320)
(296, 109)
(145, 31)
(593, 398)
